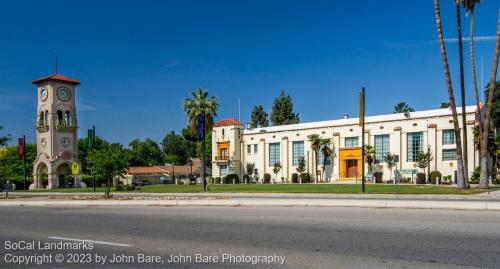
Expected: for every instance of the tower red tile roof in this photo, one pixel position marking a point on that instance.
(228, 122)
(58, 78)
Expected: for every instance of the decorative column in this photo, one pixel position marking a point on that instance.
(336, 160)
(284, 157)
(432, 143)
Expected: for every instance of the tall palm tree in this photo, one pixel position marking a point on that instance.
(483, 182)
(327, 152)
(469, 6)
(201, 104)
(402, 107)
(370, 156)
(462, 91)
(460, 170)
(315, 141)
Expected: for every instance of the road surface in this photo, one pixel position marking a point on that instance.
(248, 237)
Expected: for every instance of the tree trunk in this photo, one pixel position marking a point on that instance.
(203, 165)
(460, 171)
(462, 94)
(476, 91)
(487, 119)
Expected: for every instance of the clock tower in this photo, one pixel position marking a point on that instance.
(56, 132)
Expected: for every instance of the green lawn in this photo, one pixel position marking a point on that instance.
(290, 188)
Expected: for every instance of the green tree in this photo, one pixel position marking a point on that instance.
(175, 148)
(402, 107)
(4, 139)
(282, 112)
(191, 142)
(83, 151)
(489, 112)
(445, 105)
(250, 168)
(462, 183)
(315, 141)
(369, 157)
(11, 167)
(276, 169)
(328, 152)
(108, 163)
(145, 153)
(390, 161)
(259, 117)
(201, 104)
(424, 160)
(301, 168)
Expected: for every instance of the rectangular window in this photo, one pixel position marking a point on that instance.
(414, 145)
(321, 159)
(223, 170)
(255, 148)
(351, 142)
(274, 153)
(297, 151)
(449, 137)
(249, 149)
(449, 154)
(382, 147)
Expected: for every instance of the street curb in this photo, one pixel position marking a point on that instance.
(368, 203)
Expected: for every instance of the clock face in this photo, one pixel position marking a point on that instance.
(43, 94)
(65, 142)
(63, 94)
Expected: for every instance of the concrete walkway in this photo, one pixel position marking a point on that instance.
(482, 201)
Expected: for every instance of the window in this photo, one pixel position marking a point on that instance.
(46, 119)
(297, 151)
(222, 132)
(249, 149)
(448, 137)
(415, 144)
(351, 142)
(41, 120)
(274, 153)
(255, 148)
(67, 119)
(59, 117)
(382, 147)
(321, 159)
(449, 154)
(224, 170)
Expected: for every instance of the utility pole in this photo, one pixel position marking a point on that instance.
(362, 124)
(24, 161)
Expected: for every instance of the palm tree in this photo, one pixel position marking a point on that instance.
(327, 152)
(369, 156)
(483, 182)
(402, 107)
(444, 105)
(315, 141)
(390, 161)
(4, 139)
(462, 184)
(462, 90)
(201, 104)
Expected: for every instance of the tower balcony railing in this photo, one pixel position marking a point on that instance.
(221, 158)
(42, 126)
(66, 126)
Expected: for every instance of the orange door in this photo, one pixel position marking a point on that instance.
(352, 168)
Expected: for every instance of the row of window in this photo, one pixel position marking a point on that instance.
(415, 144)
(62, 118)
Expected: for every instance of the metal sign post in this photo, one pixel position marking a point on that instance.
(75, 168)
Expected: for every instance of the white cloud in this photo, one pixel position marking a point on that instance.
(488, 38)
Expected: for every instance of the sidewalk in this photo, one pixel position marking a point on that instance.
(483, 201)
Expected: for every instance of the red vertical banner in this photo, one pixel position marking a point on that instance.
(20, 149)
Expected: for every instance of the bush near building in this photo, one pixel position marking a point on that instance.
(305, 178)
(232, 178)
(295, 178)
(378, 177)
(267, 178)
(435, 175)
(420, 178)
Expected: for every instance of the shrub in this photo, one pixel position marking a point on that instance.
(446, 180)
(475, 176)
(119, 188)
(230, 178)
(378, 176)
(137, 188)
(435, 175)
(129, 187)
(246, 179)
(267, 178)
(295, 178)
(305, 178)
(217, 180)
(420, 178)
(405, 180)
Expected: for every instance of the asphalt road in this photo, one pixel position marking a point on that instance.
(306, 237)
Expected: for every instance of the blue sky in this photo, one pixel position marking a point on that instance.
(138, 60)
